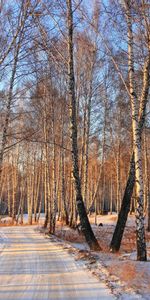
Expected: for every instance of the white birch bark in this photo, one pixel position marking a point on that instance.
(140, 232)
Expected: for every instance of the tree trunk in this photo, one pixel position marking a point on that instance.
(54, 174)
(146, 179)
(41, 190)
(111, 195)
(22, 202)
(126, 201)
(8, 195)
(125, 208)
(140, 233)
(147, 189)
(45, 168)
(86, 166)
(63, 192)
(85, 225)
(118, 175)
(102, 163)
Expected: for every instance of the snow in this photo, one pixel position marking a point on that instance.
(128, 278)
(36, 267)
(6, 220)
(120, 273)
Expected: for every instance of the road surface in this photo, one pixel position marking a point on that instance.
(34, 267)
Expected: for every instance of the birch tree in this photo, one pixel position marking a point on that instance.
(85, 225)
(126, 201)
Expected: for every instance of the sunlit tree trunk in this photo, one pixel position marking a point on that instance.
(29, 197)
(22, 201)
(14, 184)
(45, 164)
(146, 179)
(54, 175)
(86, 156)
(126, 201)
(63, 188)
(140, 233)
(29, 181)
(8, 194)
(118, 175)
(146, 184)
(111, 194)
(83, 146)
(41, 189)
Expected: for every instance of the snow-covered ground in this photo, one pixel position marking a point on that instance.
(127, 278)
(125, 275)
(5, 220)
(39, 268)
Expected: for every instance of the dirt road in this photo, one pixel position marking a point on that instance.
(33, 267)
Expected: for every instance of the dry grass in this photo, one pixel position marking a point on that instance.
(70, 235)
(113, 218)
(103, 234)
(126, 273)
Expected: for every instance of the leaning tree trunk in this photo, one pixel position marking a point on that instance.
(136, 128)
(126, 201)
(85, 225)
(125, 208)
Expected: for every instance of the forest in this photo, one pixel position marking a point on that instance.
(75, 116)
